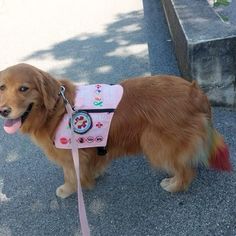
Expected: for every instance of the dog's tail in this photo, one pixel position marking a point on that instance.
(218, 157)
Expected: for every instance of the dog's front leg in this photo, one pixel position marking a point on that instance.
(87, 178)
(70, 182)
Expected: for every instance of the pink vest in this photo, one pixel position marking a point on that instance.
(94, 108)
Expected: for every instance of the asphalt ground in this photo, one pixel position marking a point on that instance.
(127, 199)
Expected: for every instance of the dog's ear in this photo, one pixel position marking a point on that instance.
(48, 87)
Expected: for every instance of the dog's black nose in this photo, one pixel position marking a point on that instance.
(5, 111)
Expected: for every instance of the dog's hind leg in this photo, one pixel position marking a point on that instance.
(163, 153)
(180, 181)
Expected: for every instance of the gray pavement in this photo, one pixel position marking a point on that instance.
(127, 199)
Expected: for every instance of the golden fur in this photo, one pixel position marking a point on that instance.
(163, 117)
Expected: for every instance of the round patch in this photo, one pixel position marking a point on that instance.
(99, 139)
(81, 121)
(63, 140)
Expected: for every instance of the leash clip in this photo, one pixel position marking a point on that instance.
(62, 94)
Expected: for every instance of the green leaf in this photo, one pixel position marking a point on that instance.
(221, 2)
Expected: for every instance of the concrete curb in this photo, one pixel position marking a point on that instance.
(205, 48)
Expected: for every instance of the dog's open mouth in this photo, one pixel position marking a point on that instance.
(12, 125)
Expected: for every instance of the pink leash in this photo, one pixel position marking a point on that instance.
(81, 207)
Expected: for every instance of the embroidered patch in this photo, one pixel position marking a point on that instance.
(99, 125)
(81, 122)
(98, 96)
(64, 140)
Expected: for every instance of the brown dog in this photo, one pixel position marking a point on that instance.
(164, 117)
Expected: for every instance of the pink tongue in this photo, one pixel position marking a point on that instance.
(11, 126)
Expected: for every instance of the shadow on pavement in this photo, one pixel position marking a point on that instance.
(118, 53)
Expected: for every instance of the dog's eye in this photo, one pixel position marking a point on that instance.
(23, 89)
(2, 87)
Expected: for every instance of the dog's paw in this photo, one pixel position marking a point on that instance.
(64, 191)
(165, 182)
(168, 184)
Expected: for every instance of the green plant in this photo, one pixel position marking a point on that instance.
(221, 2)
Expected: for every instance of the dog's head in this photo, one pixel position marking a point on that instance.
(25, 91)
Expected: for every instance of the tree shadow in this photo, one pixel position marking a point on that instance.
(118, 53)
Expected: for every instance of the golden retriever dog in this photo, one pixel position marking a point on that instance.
(166, 118)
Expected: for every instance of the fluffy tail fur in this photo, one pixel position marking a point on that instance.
(218, 152)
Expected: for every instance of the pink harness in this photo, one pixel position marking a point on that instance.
(87, 125)
(95, 105)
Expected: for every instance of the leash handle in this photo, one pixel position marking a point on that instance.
(75, 154)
